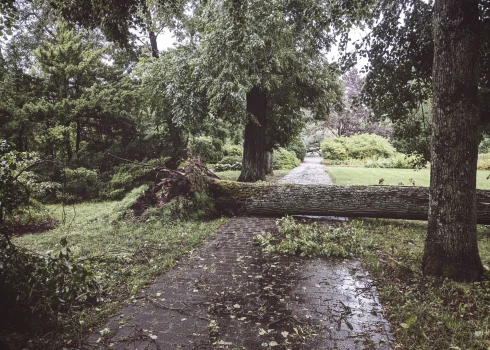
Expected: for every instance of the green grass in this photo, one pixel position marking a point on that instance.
(232, 175)
(392, 177)
(126, 254)
(426, 313)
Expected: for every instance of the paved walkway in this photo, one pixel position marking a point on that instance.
(310, 172)
(229, 295)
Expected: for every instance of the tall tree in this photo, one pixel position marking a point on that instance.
(409, 54)
(264, 63)
(355, 118)
(451, 248)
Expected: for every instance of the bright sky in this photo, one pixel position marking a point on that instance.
(165, 40)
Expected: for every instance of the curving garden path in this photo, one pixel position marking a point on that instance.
(229, 295)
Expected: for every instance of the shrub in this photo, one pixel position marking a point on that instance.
(229, 163)
(483, 164)
(81, 184)
(36, 289)
(334, 148)
(358, 147)
(399, 161)
(299, 148)
(206, 148)
(284, 159)
(232, 150)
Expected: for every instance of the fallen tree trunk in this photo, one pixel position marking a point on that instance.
(396, 202)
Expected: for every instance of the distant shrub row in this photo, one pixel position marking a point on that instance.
(357, 147)
(398, 161)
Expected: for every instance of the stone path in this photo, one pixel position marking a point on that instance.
(229, 295)
(310, 172)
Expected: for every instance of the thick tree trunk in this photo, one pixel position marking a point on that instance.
(402, 202)
(253, 164)
(451, 248)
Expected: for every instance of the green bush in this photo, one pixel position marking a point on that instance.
(357, 147)
(398, 161)
(230, 149)
(299, 148)
(284, 160)
(36, 289)
(81, 185)
(229, 163)
(206, 148)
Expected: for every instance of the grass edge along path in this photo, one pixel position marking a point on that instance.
(126, 254)
(347, 176)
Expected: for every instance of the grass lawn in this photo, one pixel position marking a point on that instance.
(371, 176)
(126, 254)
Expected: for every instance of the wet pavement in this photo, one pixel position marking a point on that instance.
(230, 295)
(310, 172)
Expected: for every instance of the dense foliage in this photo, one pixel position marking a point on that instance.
(357, 147)
(311, 240)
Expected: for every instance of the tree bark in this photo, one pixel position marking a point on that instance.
(153, 44)
(269, 164)
(151, 34)
(395, 202)
(451, 248)
(253, 164)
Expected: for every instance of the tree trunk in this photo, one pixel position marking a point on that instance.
(269, 165)
(253, 164)
(151, 35)
(176, 145)
(154, 45)
(69, 151)
(395, 202)
(451, 248)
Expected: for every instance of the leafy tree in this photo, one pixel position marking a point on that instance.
(263, 65)
(118, 18)
(8, 13)
(355, 118)
(407, 52)
(68, 68)
(451, 248)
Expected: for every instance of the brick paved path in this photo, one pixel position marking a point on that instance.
(229, 295)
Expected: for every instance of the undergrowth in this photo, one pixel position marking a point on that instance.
(311, 240)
